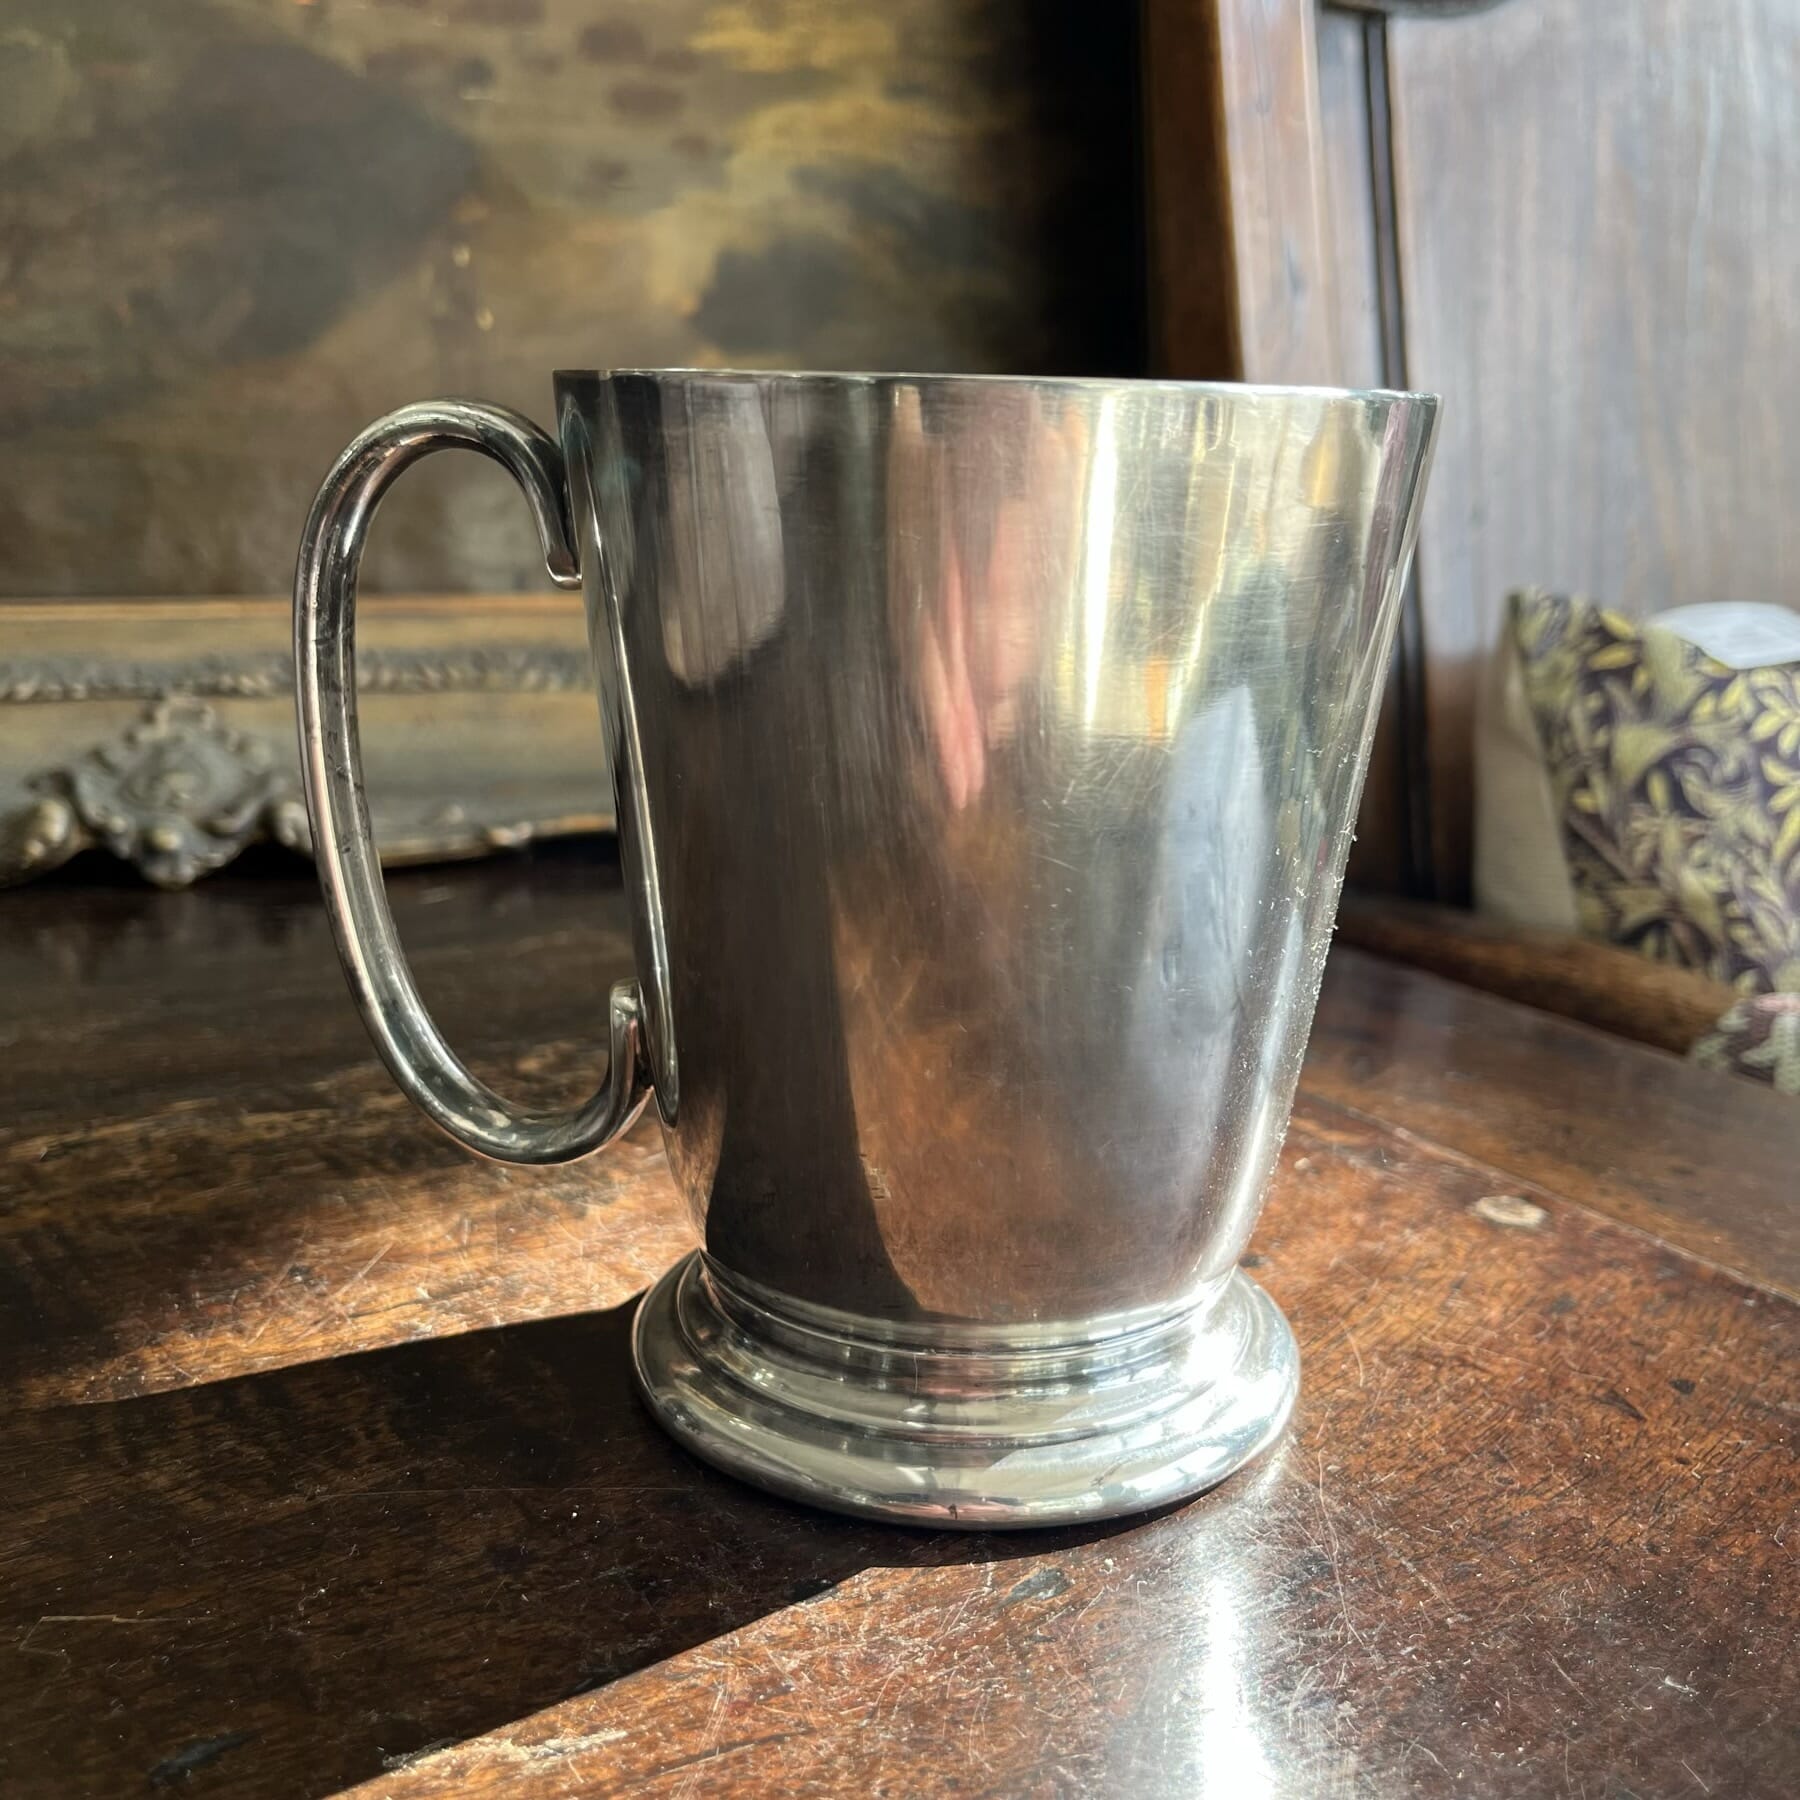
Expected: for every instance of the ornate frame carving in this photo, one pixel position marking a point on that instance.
(174, 746)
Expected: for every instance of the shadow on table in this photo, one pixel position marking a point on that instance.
(284, 1583)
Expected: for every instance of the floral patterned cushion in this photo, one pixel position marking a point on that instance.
(1758, 1038)
(1675, 781)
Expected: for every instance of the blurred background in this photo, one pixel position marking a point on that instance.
(232, 231)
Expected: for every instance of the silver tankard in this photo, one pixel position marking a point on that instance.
(987, 753)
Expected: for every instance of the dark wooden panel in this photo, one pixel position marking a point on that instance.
(1382, 857)
(233, 230)
(1193, 299)
(1351, 217)
(1264, 248)
(1600, 241)
(1241, 285)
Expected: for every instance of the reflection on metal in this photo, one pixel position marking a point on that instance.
(331, 548)
(987, 752)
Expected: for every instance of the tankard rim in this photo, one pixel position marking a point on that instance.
(1223, 390)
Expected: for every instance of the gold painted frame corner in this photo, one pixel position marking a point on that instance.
(163, 731)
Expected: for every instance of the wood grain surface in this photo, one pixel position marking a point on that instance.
(1382, 853)
(1531, 1534)
(324, 1468)
(1578, 223)
(1695, 1158)
(1579, 978)
(1240, 220)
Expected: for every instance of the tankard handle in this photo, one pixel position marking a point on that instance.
(411, 1045)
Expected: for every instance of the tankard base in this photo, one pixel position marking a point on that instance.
(964, 1428)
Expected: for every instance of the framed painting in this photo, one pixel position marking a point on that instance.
(233, 231)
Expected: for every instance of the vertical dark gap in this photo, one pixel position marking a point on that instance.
(1134, 330)
(1079, 68)
(1419, 873)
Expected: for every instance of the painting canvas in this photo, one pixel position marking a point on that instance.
(232, 231)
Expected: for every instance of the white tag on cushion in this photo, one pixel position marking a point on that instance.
(1741, 634)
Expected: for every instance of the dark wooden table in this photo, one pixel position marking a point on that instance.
(321, 1464)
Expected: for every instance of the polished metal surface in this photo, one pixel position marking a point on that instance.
(987, 753)
(1018, 1432)
(417, 1056)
